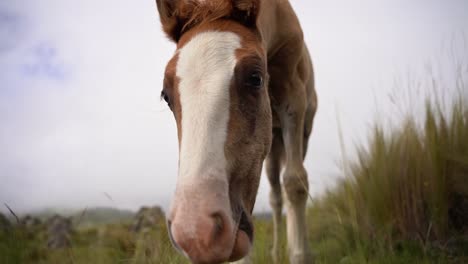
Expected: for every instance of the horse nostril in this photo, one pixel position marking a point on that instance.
(218, 225)
(176, 246)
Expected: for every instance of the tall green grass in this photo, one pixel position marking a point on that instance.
(405, 197)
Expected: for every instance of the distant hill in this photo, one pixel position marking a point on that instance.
(102, 215)
(89, 216)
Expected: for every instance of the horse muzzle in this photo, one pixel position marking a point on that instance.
(203, 226)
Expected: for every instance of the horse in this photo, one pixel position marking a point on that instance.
(240, 86)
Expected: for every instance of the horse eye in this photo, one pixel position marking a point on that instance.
(255, 80)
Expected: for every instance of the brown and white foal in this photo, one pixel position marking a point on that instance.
(240, 86)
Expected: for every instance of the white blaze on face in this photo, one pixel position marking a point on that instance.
(205, 68)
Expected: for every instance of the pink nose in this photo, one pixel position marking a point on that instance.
(203, 237)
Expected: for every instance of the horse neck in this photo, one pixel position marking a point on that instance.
(276, 21)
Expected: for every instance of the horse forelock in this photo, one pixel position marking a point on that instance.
(194, 12)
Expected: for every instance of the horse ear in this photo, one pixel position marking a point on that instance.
(170, 22)
(246, 11)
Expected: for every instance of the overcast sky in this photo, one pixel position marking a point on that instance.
(81, 123)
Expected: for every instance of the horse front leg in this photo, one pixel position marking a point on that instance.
(295, 181)
(273, 169)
